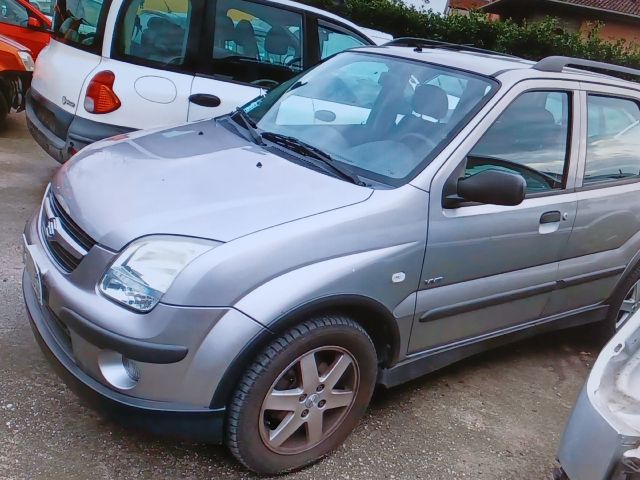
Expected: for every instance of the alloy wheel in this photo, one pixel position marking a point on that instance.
(309, 400)
(630, 305)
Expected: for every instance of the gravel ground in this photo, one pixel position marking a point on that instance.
(495, 416)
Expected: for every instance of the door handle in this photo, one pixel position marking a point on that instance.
(205, 100)
(550, 217)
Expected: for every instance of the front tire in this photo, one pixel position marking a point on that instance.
(302, 396)
(4, 108)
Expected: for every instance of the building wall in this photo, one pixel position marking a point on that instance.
(613, 31)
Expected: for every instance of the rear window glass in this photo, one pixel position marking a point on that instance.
(79, 22)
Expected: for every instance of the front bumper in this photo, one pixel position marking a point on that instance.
(61, 133)
(182, 354)
(162, 418)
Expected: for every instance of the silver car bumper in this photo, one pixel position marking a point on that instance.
(591, 448)
(168, 362)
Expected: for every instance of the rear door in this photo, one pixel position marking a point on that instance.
(490, 269)
(249, 47)
(606, 237)
(74, 52)
(152, 54)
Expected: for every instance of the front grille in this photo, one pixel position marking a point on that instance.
(66, 241)
(69, 225)
(67, 261)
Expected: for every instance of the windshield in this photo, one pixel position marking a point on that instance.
(77, 22)
(382, 117)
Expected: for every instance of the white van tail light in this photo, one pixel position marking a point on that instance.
(100, 96)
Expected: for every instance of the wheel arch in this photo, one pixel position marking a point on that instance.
(373, 316)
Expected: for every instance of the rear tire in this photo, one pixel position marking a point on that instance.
(319, 376)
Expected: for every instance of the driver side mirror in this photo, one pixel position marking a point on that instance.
(34, 23)
(492, 187)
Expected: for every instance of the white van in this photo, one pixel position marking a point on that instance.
(114, 66)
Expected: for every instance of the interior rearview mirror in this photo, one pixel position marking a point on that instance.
(493, 187)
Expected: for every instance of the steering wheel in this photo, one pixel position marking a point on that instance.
(414, 141)
(344, 93)
(176, 61)
(265, 83)
(293, 61)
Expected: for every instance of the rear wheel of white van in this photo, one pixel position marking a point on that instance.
(302, 396)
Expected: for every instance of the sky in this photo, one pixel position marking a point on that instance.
(435, 5)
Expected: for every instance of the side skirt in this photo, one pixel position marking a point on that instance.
(434, 359)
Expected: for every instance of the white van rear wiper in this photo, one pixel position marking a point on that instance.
(299, 146)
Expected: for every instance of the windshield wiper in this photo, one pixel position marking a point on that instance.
(250, 125)
(303, 148)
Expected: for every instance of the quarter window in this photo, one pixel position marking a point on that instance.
(156, 31)
(256, 43)
(613, 148)
(333, 41)
(531, 139)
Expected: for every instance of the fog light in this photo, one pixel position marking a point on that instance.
(119, 371)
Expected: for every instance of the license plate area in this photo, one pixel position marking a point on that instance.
(33, 271)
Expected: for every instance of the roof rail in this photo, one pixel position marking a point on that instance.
(558, 64)
(419, 43)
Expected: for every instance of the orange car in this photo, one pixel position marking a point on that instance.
(16, 69)
(24, 22)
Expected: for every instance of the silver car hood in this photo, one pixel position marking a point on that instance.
(196, 180)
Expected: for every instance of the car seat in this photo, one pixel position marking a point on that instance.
(245, 38)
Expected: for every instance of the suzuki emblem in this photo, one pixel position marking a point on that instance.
(51, 227)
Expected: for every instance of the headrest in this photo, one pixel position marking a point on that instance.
(431, 101)
(224, 28)
(244, 30)
(277, 41)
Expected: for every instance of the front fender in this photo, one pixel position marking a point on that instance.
(367, 274)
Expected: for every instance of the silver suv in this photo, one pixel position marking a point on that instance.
(251, 279)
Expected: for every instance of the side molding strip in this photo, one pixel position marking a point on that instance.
(484, 302)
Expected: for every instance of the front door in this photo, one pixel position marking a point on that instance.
(249, 47)
(492, 268)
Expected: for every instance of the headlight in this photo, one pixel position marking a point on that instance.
(27, 60)
(143, 273)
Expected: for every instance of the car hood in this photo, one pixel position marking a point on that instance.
(197, 180)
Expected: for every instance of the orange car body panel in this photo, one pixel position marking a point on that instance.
(32, 38)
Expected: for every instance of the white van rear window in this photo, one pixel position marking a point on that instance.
(77, 22)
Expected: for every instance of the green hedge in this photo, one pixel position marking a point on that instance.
(530, 40)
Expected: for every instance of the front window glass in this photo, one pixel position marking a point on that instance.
(156, 31)
(334, 41)
(13, 13)
(76, 22)
(531, 139)
(379, 116)
(613, 149)
(256, 43)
